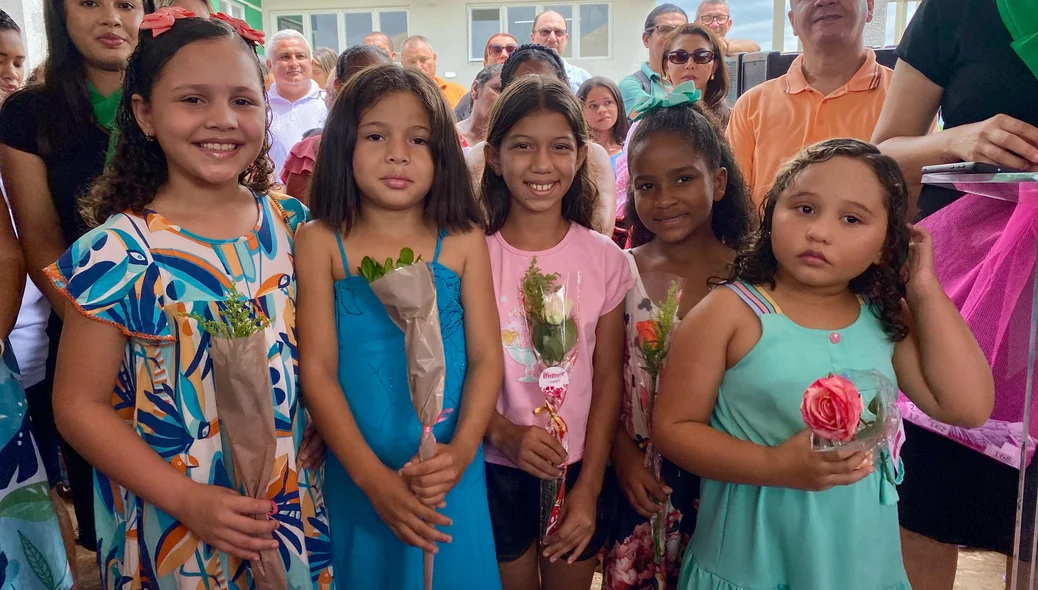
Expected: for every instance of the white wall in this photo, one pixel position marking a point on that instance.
(29, 16)
(445, 23)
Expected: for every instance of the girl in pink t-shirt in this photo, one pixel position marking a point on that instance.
(539, 202)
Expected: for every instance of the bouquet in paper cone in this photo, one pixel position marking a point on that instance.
(653, 344)
(548, 303)
(241, 373)
(407, 291)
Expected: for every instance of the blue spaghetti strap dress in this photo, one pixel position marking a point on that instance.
(373, 376)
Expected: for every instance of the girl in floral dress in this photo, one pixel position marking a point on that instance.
(689, 209)
(184, 221)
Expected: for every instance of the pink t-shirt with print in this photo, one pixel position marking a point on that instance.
(605, 278)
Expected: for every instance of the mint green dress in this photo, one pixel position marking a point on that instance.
(769, 538)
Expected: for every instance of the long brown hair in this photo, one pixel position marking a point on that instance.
(523, 97)
(883, 285)
(716, 90)
(334, 196)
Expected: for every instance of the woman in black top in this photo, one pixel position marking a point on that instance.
(53, 141)
(956, 56)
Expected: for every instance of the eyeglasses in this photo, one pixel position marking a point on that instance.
(680, 57)
(496, 50)
(558, 32)
(708, 19)
(661, 30)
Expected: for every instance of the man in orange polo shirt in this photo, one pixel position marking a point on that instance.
(417, 54)
(835, 88)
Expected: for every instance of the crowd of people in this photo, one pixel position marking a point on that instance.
(161, 176)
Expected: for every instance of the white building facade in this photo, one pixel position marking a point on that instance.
(604, 35)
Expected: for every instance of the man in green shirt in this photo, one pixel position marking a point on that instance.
(646, 82)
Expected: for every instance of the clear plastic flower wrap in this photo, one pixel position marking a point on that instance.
(852, 410)
(663, 291)
(550, 306)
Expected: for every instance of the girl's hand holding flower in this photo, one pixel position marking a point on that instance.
(800, 467)
(646, 494)
(432, 480)
(577, 525)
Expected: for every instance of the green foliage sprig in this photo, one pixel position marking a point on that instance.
(239, 319)
(373, 271)
(654, 338)
(553, 331)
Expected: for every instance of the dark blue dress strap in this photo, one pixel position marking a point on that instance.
(342, 252)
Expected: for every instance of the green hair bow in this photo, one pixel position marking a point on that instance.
(684, 93)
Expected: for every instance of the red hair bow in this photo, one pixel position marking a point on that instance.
(241, 27)
(162, 19)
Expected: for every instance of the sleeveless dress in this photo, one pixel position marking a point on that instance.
(770, 538)
(373, 375)
(32, 554)
(629, 562)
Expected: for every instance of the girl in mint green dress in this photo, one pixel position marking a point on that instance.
(817, 291)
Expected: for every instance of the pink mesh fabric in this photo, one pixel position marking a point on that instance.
(984, 255)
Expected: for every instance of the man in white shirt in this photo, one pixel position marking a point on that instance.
(549, 30)
(296, 101)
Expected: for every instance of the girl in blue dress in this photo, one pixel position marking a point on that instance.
(390, 174)
(821, 289)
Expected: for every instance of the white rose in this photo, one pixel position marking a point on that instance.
(555, 310)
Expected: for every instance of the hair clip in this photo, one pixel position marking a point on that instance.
(162, 20)
(684, 93)
(250, 34)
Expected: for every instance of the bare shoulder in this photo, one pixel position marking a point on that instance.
(460, 248)
(721, 306)
(314, 241)
(314, 232)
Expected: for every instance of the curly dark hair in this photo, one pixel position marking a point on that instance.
(622, 126)
(732, 218)
(529, 95)
(333, 194)
(883, 285)
(527, 52)
(138, 168)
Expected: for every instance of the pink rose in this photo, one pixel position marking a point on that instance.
(832, 408)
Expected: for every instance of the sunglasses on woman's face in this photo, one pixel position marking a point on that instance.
(680, 57)
(497, 50)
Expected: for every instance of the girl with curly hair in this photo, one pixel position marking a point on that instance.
(690, 211)
(832, 281)
(185, 223)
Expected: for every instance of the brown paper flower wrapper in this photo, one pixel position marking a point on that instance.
(242, 375)
(409, 296)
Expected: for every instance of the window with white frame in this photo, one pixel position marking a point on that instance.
(588, 24)
(340, 29)
(235, 9)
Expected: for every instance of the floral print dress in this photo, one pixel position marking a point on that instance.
(629, 562)
(32, 555)
(145, 276)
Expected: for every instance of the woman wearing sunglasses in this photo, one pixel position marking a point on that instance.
(693, 53)
(497, 50)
